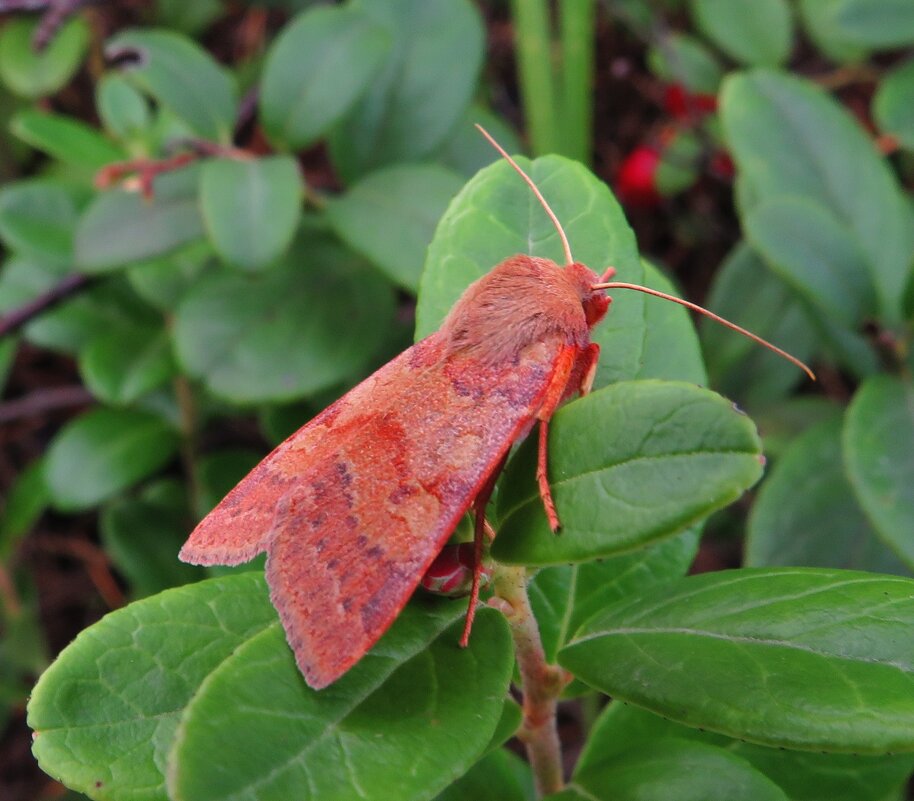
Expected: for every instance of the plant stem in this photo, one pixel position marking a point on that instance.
(187, 407)
(541, 682)
(533, 44)
(576, 28)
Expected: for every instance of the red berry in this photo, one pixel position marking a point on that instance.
(681, 104)
(636, 182)
(722, 165)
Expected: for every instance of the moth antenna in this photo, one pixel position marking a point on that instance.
(701, 310)
(539, 195)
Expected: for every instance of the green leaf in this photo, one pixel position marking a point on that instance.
(182, 76)
(25, 501)
(804, 776)
(162, 282)
(496, 216)
(811, 250)
(629, 465)
(680, 769)
(683, 59)
(671, 349)
(420, 92)
(825, 32)
(563, 597)
(143, 535)
(776, 125)
(188, 17)
(310, 322)
(33, 74)
(37, 218)
(501, 774)
(879, 454)
(217, 472)
(74, 322)
(121, 365)
(806, 513)
(251, 208)
(316, 69)
(678, 168)
(390, 216)
(782, 422)
(122, 227)
(800, 658)
(66, 139)
(877, 24)
(757, 33)
(398, 725)
(104, 714)
(467, 151)
(122, 109)
(737, 367)
(102, 452)
(893, 105)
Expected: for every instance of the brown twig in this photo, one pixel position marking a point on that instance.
(93, 558)
(541, 683)
(44, 400)
(69, 286)
(56, 14)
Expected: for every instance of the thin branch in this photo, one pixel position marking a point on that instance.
(53, 19)
(69, 286)
(44, 400)
(541, 683)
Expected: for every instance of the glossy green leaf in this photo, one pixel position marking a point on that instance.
(390, 217)
(121, 227)
(803, 775)
(809, 658)
(123, 110)
(563, 597)
(806, 513)
(423, 88)
(629, 465)
(683, 59)
(25, 501)
(104, 714)
(121, 365)
(35, 74)
(305, 325)
(879, 454)
(500, 775)
(66, 139)
(317, 68)
(776, 125)
(748, 293)
(397, 725)
(182, 76)
(807, 246)
(143, 535)
(676, 768)
(496, 216)
(893, 105)
(671, 349)
(37, 218)
(251, 208)
(756, 33)
(102, 452)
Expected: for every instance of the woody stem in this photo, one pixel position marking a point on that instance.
(541, 682)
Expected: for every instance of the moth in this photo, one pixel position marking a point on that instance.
(353, 508)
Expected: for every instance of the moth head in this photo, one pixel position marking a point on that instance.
(594, 301)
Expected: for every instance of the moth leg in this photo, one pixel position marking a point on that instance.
(588, 360)
(555, 392)
(481, 530)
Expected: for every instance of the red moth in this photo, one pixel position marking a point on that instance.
(353, 508)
